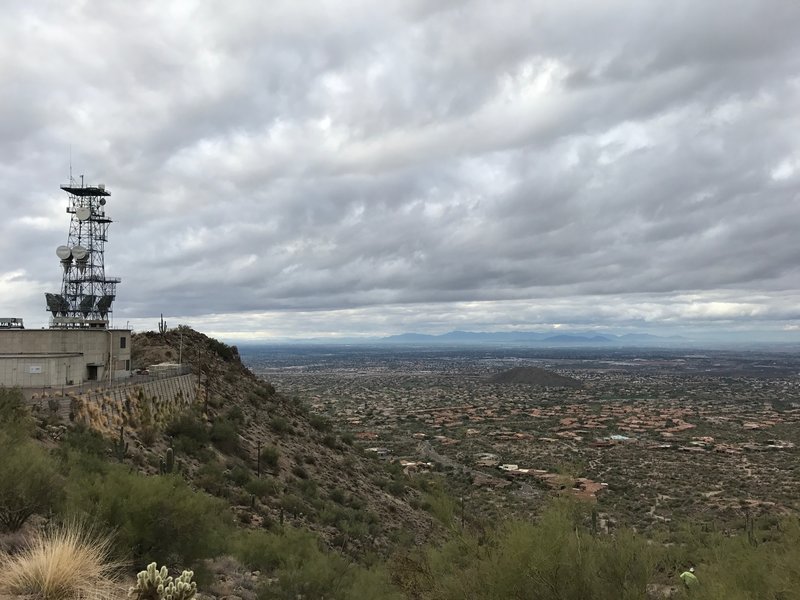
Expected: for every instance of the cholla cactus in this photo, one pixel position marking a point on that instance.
(156, 584)
(149, 583)
(183, 588)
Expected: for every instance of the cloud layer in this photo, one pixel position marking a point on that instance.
(292, 169)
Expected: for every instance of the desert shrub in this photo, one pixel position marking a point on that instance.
(307, 488)
(86, 440)
(337, 494)
(225, 437)
(60, 563)
(239, 475)
(320, 423)
(211, 478)
(280, 425)
(329, 440)
(223, 350)
(270, 456)
(300, 472)
(441, 505)
(15, 415)
(189, 433)
(396, 488)
(262, 488)
(554, 559)
(302, 569)
(267, 551)
(156, 518)
(235, 415)
(29, 481)
(293, 505)
(148, 435)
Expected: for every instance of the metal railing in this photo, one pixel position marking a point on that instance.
(41, 392)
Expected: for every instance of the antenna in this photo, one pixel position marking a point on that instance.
(86, 293)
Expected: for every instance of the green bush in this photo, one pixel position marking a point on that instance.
(85, 440)
(225, 437)
(29, 481)
(301, 569)
(223, 350)
(270, 456)
(235, 415)
(300, 472)
(320, 423)
(15, 415)
(262, 488)
(157, 518)
(554, 559)
(280, 425)
(189, 434)
(211, 478)
(239, 475)
(293, 505)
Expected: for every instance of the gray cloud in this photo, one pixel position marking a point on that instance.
(358, 168)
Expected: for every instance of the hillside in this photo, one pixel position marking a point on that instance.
(57, 474)
(311, 475)
(536, 377)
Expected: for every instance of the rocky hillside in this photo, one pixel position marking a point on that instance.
(536, 377)
(310, 472)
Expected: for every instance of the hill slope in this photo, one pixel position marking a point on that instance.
(311, 474)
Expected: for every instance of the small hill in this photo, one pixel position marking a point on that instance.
(535, 376)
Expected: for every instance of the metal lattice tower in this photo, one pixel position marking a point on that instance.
(86, 293)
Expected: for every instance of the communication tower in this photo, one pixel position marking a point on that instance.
(86, 293)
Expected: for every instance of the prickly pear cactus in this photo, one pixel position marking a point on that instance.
(155, 584)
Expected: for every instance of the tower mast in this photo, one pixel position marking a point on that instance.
(86, 293)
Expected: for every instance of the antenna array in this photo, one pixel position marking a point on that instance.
(86, 293)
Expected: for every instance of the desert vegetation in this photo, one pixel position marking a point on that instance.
(252, 491)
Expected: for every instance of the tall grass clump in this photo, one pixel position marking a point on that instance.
(59, 563)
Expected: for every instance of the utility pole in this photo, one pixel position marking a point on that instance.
(258, 459)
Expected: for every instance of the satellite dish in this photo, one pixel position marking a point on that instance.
(79, 252)
(63, 252)
(102, 201)
(83, 213)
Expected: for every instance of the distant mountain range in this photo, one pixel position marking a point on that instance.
(530, 337)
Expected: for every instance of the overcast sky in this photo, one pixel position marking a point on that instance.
(297, 169)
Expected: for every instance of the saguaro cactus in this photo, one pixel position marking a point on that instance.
(121, 446)
(168, 464)
(162, 325)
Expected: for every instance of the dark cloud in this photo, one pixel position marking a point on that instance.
(362, 167)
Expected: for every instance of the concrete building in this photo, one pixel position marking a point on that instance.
(80, 346)
(57, 357)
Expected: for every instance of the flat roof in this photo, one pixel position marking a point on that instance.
(78, 329)
(40, 355)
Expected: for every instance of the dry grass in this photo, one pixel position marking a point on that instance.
(61, 563)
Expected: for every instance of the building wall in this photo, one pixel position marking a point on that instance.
(57, 357)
